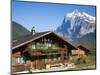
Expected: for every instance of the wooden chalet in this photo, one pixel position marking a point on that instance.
(80, 53)
(40, 48)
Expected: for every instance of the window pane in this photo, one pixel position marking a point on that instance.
(13, 61)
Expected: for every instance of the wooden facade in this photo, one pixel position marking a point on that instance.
(37, 54)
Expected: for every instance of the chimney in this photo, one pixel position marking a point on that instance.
(33, 30)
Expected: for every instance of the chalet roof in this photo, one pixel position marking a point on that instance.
(83, 48)
(20, 41)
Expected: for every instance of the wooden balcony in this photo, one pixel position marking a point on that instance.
(48, 50)
(37, 52)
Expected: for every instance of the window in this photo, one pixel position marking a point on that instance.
(33, 46)
(37, 45)
(19, 60)
(13, 61)
(59, 58)
(55, 57)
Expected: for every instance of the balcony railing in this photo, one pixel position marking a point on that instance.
(46, 51)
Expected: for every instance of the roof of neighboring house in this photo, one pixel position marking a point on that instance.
(20, 41)
(83, 48)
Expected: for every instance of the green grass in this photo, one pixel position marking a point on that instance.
(90, 61)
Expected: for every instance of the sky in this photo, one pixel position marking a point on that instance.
(44, 16)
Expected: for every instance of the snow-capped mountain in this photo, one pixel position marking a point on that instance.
(79, 29)
(76, 24)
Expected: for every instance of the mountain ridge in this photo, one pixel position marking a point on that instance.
(18, 30)
(76, 24)
(78, 28)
